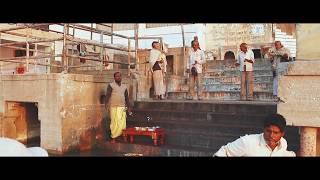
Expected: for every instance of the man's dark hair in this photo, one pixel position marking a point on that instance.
(114, 75)
(154, 42)
(276, 120)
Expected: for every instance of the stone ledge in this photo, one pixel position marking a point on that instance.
(304, 68)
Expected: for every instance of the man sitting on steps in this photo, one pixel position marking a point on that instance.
(268, 143)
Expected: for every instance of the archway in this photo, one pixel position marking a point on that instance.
(229, 55)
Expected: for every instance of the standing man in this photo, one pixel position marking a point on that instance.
(157, 65)
(117, 102)
(245, 61)
(194, 68)
(268, 143)
(280, 57)
(195, 39)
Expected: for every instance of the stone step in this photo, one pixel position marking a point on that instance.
(222, 78)
(150, 150)
(228, 63)
(207, 125)
(207, 118)
(235, 73)
(233, 107)
(208, 137)
(268, 87)
(224, 95)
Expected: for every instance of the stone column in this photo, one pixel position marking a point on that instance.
(299, 89)
(308, 141)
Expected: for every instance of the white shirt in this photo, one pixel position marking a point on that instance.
(198, 56)
(248, 55)
(12, 147)
(254, 145)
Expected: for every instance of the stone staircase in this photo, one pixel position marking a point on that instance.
(222, 82)
(196, 128)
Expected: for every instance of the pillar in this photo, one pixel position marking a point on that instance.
(308, 141)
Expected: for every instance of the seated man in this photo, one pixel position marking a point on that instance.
(268, 143)
(11, 147)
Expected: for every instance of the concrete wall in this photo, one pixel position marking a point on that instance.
(308, 38)
(68, 105)
(299, 89)
(221, 38)
(6, 67)
(179, 63)
(42, 89)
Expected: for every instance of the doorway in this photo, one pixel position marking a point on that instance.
(21, 122)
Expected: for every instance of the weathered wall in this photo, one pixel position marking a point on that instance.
(289, 29)
(6, 67)
(219, 35)
(308, 38)
(179, 63)
(299, 89)
(36, 88)
(69, 106)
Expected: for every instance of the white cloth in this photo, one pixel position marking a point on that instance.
(198, 56)
(11, 147)
(254, 145)
(280, 52)
(242, 56)
(154, 56)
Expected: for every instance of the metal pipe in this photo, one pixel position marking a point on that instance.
(147, 37)
(40, 64)
(27, 59)
(35, 54)
(136, 35)
(23, 35)
(96, 59)
(112, 33)
(64, 59)
(91, 31)
(80, 66)
(86, 28)
(101, 51)
(1, 64)
(129, 60)
(31, 42)
(97, 44)
(32, 50)
(103, 24)
(184, 51)
(23, 27)
(31, 57)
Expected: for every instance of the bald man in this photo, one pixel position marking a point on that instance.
(245, 62)
(280, 57)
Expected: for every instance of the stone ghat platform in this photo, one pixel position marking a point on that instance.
(197, 128)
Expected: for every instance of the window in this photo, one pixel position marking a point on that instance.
(21, 53)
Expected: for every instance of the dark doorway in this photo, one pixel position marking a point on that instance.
(257, 53)
(229, 55)
(22, 122)
(169, 64)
